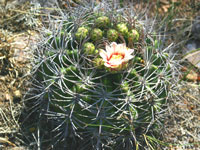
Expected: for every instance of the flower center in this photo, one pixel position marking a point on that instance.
(116, 57)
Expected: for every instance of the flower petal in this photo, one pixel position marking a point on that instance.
(120, 49)
(130, 51)
(127, 58)
(103, 54)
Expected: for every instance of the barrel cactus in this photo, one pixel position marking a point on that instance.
(101, 80)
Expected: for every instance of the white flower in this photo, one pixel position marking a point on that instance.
(116, 55)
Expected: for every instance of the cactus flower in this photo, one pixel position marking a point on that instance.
(116, 56)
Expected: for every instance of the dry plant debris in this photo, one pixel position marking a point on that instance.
(182, 128)
(15, 65)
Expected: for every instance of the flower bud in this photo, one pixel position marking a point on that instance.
(96, 34)
(71, 69)
(81, 33)
(153, 69)
(112, 35)
(102, 22)
(72, 53)
(133, 36)
(133, 74)
(89, 48)
(122, 28)
(125, 86)
(79, 88)
(87, 98)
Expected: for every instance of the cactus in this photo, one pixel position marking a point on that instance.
(102, 94)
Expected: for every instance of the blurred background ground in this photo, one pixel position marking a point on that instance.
(19, 22)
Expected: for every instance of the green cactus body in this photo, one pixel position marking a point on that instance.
(101, 89)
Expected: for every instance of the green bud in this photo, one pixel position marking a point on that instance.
(156, 44)
(102, 22)
(63, 70)
(168, 67)
(71, 69)
(125, 86)
(166, 55)
(96, 34)
(72, 53)
(78, 88)
(137, 59)
(153, 68)
(96, 52)
(112, 35)
(89, 48)
(122, 28)
(133, 74)
(133, 36)
(87, 98)
(134, 111)
(81, 33)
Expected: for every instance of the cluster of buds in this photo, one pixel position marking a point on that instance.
(114, 56)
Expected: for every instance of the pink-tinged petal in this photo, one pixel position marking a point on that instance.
(113, 46)
(127, 58)
(120, 49)
(111, 66)
(107, 65)
(109, 51)
(108, 48)
(103, 54)
(130, 51)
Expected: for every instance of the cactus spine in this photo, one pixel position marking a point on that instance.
(103, 96)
